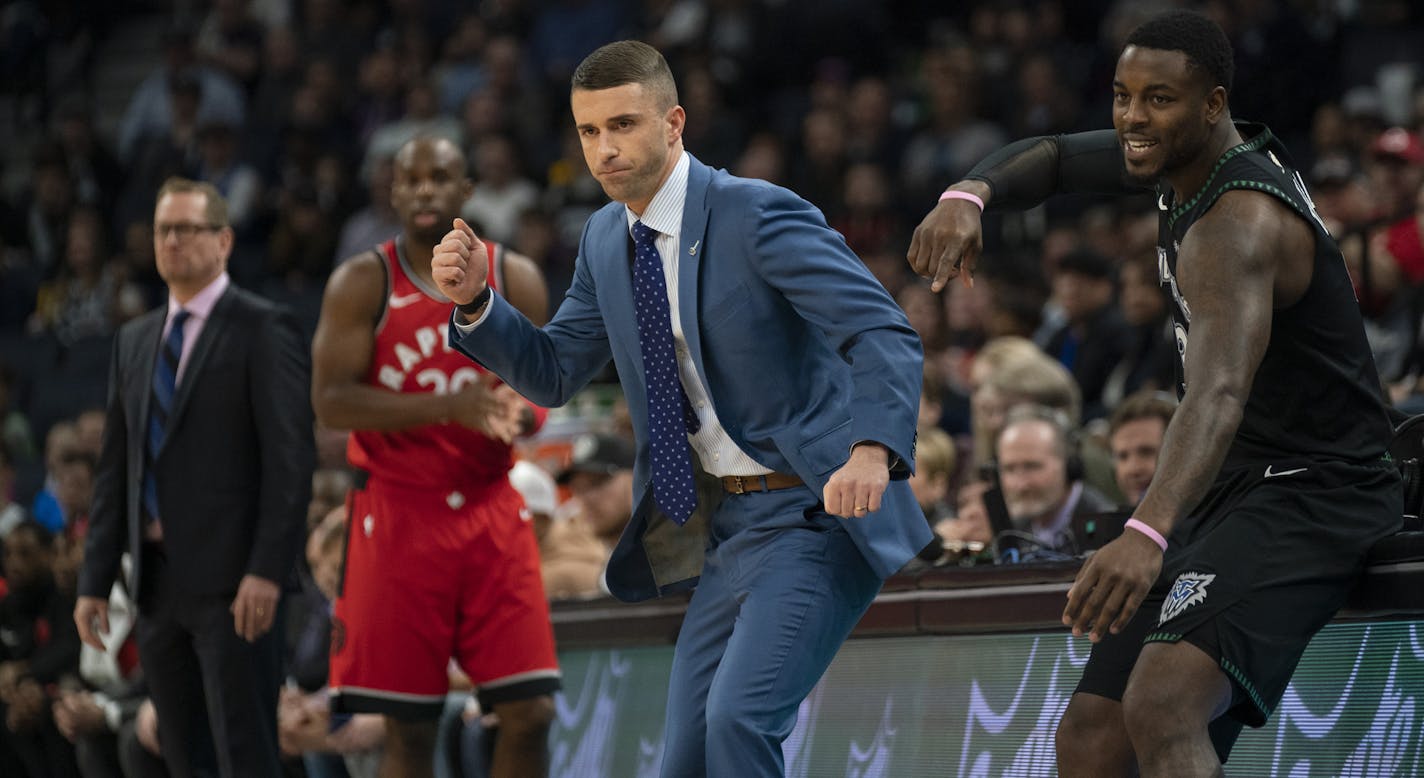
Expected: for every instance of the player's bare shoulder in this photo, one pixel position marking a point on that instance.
(1257, 232)
(359, 284)
(525, 287)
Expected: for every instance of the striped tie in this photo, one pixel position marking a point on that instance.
(165, 385)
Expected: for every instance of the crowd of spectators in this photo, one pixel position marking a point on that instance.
(294, 108)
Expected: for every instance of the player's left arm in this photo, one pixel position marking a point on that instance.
(1248, 256)
(1227, 268)
(526, 290)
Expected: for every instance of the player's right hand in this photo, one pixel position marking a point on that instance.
(457, 277)
(947, 243)
(91, 617)
(507, 420)
(1111, 585)
(487, 406)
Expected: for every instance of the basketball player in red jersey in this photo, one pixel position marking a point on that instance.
(439, 562)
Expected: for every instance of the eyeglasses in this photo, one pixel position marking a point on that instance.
(183, 230)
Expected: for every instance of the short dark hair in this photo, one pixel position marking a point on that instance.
(1087, 262)
(1146, 404)
(628, 62)
(1203, 41)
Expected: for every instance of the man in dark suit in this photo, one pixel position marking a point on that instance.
(1094, 334)
(744, 330)
(204, 479)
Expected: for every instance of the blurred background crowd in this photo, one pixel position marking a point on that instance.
(294, 108)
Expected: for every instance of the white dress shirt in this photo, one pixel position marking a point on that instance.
(719, 454)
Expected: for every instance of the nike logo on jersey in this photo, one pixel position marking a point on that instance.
(1270, 474)
(1161, 202)
(404, 300)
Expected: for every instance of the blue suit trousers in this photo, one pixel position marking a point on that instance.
(782, 587)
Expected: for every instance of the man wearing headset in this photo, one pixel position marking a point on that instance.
(1041, 480)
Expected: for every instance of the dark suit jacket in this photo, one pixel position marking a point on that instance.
(1104, 341)
(802, 351)
(234, 474)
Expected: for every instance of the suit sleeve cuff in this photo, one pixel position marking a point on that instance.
(894, 463)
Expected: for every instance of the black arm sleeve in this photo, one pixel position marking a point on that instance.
(1026, 172)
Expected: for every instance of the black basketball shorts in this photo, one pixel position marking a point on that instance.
(1262, 565)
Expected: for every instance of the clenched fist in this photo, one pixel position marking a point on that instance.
(457, 277)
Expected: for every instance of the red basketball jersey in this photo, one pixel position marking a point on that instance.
(412, 355)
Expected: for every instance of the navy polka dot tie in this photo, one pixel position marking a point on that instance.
(670, 415)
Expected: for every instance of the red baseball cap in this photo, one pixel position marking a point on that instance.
(1399, 143)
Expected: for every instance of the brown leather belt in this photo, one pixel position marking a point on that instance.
(741, 484)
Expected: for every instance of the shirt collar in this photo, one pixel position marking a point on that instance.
(664, 211)
(201, 306)
(1065, 514)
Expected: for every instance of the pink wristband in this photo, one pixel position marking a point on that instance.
(1142, 526)
(955, 194)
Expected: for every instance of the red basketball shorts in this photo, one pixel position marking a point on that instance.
(433, 575)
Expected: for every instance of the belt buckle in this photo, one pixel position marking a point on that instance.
(741, 486)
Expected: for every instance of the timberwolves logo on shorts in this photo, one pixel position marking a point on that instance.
(1189, 590)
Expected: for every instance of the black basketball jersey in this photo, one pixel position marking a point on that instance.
(1316, 394)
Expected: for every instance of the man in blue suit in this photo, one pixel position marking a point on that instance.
(746, 332)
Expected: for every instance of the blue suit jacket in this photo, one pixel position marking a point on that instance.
(802, 351)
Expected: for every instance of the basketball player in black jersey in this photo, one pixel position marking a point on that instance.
(1272, 481)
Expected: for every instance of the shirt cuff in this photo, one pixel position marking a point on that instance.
(892, 462)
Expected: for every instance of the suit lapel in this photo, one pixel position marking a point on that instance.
(615, 282)
(615, 296)
(689, 260)
(212, 330)
(148, 334)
